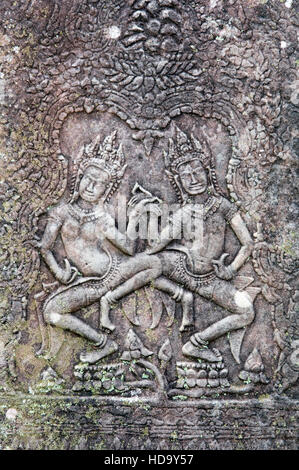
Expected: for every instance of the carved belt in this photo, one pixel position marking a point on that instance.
(106, 279)
(93, 282)
(192, 280)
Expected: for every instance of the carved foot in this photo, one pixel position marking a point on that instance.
(201, 353)
(105, 321)
(94, 356)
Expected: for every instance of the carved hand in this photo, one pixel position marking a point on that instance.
(67, 274)
(34, 243)
(223, 271)
(140, 208)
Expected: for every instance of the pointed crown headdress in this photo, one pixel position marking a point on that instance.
(182, 149)
(105, 156)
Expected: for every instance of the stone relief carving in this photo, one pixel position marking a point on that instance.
(197, 267)
(155, 72)
(98, 250)
(101, 265)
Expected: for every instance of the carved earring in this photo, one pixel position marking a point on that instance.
(214, 182)
(182, 195)
(109, 191)
(75, 194)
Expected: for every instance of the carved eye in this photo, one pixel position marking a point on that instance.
(185, 173)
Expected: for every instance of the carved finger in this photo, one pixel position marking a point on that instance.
(75, 273)
(133, 201)
(216, 269)
(216, 262)
(149, 199)
(222, 257)
(67, 266)
(155, 209)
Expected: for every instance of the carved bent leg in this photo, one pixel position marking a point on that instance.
(238, 303)
(179, 294)
(57, 312)
(135, 273)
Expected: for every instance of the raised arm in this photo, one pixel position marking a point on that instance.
(172, 231)
(125, 242)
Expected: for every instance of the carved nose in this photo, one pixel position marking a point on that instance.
(193, 178)
(90, 186)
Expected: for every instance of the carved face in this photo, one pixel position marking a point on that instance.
(193, 177)
(93, 184)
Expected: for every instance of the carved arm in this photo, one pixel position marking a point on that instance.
(243, 235)
(228, 272)
(66, 274)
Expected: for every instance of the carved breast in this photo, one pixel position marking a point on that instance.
(89, 231)
(70, 230)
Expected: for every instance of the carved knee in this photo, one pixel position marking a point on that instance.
(245, 304)
(243, 300)
(250, 315)
(52, 312)
(187, 298)
(52, 318)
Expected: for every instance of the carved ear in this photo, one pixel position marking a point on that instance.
(175, 181)
(178, 183)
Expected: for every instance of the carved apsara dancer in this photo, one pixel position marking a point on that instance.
(196, 262)
(94, 247)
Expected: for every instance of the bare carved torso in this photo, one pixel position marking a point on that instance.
(205, 243)
(88, 244)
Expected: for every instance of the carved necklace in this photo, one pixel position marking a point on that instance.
(84, 215)
(211, 205)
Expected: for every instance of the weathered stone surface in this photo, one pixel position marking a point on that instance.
(92, 423)
(148, 290)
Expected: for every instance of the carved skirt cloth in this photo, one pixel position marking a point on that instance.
(175, 268)
(86, 290)
(208, 286)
